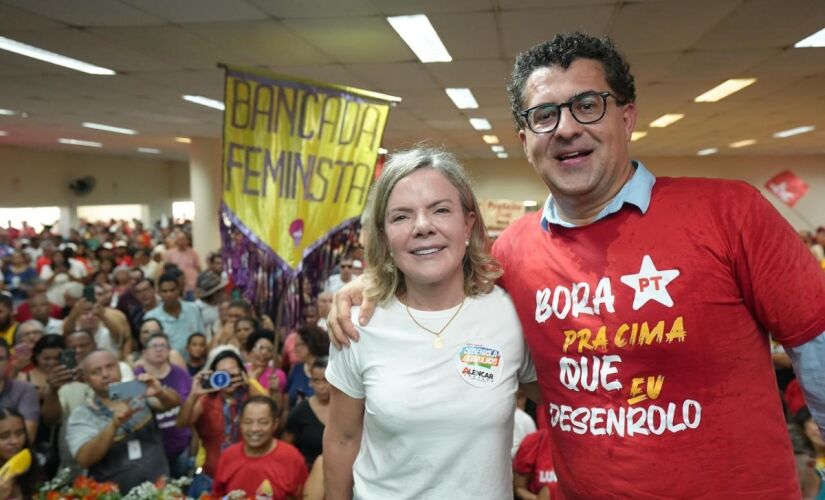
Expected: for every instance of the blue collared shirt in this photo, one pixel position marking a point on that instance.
(636, 191)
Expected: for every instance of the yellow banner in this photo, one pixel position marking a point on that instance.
(298, 159)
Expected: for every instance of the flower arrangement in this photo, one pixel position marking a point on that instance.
(84, 488)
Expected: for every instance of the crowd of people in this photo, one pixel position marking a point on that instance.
(125, 361)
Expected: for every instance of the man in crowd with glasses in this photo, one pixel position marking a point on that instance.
(646, 301)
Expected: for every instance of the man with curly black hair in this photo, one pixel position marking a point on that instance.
(646, 301)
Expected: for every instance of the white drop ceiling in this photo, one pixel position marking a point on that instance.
(162, 49)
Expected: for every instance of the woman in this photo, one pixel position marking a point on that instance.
(311, 343)
(306, 422)
(45, 356)
(214, 413)
(422, 406)
(25, 337)
(197, 349)
(13, 439)
(243, 329)
(18, 276)
(261, 466)
(260, 347)
(176, 440)
(149, 327)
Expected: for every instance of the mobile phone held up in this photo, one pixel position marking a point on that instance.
(68, 358)
(127, 390)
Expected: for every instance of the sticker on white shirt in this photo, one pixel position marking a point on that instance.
(133, 445)
(479, 365)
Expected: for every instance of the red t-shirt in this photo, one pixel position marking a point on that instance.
(534, 459)
(279, 473)
(649, 336)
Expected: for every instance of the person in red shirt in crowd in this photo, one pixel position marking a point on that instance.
(24, 311)
(533, 474)
(122, 257)
(261, 465)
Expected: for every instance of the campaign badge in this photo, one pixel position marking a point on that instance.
(478, 365)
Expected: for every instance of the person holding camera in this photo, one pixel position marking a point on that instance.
(114, 435)
(213, 407)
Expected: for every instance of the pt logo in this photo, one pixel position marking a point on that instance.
(650, 284)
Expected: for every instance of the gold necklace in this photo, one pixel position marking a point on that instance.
(437, 343)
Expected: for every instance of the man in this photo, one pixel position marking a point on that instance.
(144, 293)
(24, 311)
(108, 326)
(179, 319)
(210, 291)
(17, 394)
(337, 281)
(42, 310)
(645, 302)
(186, 258)
(118, 440)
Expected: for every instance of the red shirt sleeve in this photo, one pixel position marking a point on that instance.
(525, 460)
(779, 278)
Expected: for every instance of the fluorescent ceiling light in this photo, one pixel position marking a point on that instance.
(815, 40)
(382, 151)
(78, 142)
(151, 151)
(707, 151)
(725, 89)
(480, 124)
(665, 120)
(635, 136)
(204, 101)
(184, 140)
(742, 144)
(3, 133)
(503, 156)
(462, 98)
(51, 57)
(7, 112)
(794, 131)
(109, 128)
(420, 36)
(490, 139)
(497, 149)
(530, 203)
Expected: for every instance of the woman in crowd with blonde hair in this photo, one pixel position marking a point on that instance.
(422, 406)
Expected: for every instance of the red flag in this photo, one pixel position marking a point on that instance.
(787, 187)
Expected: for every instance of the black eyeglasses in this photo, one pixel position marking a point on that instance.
(586, 108)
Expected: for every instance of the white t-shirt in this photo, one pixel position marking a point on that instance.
(438, 422)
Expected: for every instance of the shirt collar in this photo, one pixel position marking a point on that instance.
(636, 191)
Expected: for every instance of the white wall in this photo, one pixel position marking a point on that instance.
(515, 179)
(31, 177)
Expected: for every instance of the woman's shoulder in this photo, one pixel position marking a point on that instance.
(495, 296)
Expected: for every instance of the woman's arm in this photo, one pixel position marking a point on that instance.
(342, 440)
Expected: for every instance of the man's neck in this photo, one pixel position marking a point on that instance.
(173, 309)
(259, 452)
(582, 211)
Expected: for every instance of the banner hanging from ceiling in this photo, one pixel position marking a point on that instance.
(298, 159)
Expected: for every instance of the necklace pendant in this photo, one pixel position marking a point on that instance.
(437, 343)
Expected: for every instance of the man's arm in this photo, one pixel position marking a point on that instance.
(95, 449)
(342, 440)
(809, 365)
(339, 321)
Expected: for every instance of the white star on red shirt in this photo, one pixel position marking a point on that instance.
(650, 284)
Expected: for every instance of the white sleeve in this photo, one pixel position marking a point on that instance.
(344, 368)
(527, 371)
(80, 430)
